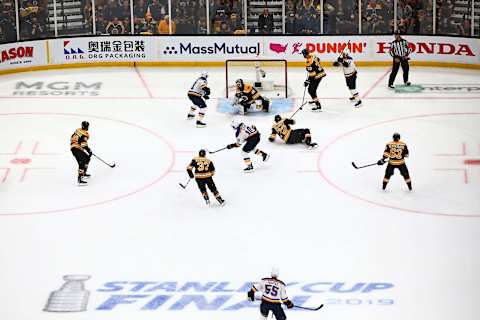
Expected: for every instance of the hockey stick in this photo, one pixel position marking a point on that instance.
(110, 165)
(368, 165)
(301, 105)
(218, 150)
(186, 184)
(308, 308)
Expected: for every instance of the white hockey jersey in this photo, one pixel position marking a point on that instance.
(197, 89)
(351, 68)
(273, 290)
(244, 132)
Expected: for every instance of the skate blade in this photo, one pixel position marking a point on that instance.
(249, 171)
(82, 184)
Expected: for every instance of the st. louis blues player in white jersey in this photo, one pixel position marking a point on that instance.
(197, 93)
(350, 72)
(273, 295)
(249, 135)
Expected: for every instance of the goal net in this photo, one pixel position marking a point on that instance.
(269, 77)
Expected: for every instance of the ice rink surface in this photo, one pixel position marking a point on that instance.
(151, 250)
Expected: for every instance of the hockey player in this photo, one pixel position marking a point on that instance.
(249, 135)
(315, 75)
(289, 136)
(204, 171)
(247, 98)
(350, 72)
(197, 93)
(273, 295)
(81, 151)
(396, 151)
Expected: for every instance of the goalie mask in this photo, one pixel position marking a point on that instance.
(204, 74)
(239, 84)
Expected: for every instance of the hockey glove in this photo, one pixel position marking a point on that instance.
(190, 174)
(89, 151)
(381, 162)
(206, 91)
(206, 97)
(232, 145)
(306, 83)
(336, 64)
(289, 304)
(251, 295)
(271, 139)
(339, 59)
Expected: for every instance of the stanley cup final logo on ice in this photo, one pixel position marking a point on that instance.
(71, 297)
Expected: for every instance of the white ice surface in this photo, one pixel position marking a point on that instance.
(309, 212)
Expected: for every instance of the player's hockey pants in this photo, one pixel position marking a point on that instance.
(203, 183)
(298, 136)
(312, 87)
(82, 159)
(197, 101)
(403, 171)
(395, 67)
(252, 142)
(276, 308)
(352, 81)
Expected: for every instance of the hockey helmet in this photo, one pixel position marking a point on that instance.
(204, 74)
(239, 83)
(235, 124)
(396, 136)
(202, 153)
(85, 125)
(277, 118)
(275, 272)
(305, 53)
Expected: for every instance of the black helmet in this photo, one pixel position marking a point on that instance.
(277, 118)
(305, 53)
(202, 153)
(396, 136)
(85, 125)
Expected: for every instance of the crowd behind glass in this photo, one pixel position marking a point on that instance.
(35, 19)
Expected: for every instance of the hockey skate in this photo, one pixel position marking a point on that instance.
(81, 182)
(201, 124)
(86, 175)
(265, 156)
(352, 99)
(317, 108)
(358, 104)
(391, 86)
(221, 201)
(249, 168)
(312, 145)
(190, 116)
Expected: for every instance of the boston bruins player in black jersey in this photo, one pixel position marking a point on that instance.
(81, 151)
(396, 151)
(273, 295)
(289, 136)
(204, 171)
(315, 75)
(246, 97)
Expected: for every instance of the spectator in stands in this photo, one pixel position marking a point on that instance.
(202, 26)
(115, 27)
(373, 19)
(310, 25)
(404, 16)
(111, 10)
(164, 26)
(125, 10)
(139, 8)
(147, 26)
(265, 22)
(425, 25)
(7, 22)
(37, 29)
(291, 24)
(234, 23)
(185, 25)
(225, 28)
(157, 10)
(329, 17)
(100, 25)
(290, 8)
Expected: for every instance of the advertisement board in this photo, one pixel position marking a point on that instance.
(102, 49)
(375, 48)
(23, 54)
(209, 48)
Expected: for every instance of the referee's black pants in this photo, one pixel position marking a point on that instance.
(395, 67)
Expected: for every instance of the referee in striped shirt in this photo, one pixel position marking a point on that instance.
(399, 50)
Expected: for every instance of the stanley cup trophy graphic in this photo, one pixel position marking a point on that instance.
(71, 297)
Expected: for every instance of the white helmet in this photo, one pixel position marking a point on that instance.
(204, 74)
(275, 272)
(235, 124)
